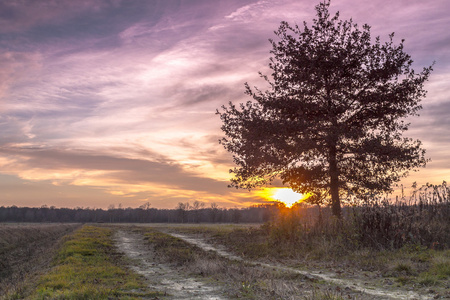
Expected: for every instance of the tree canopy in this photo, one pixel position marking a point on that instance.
(331, 123)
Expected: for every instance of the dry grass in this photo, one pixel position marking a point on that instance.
(242, 280)
(405, 245)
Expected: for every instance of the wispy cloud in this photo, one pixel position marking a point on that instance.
(117, 98)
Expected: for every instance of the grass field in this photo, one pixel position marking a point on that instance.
(225, 261)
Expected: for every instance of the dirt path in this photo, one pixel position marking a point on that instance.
(161, 277)
(358, 285)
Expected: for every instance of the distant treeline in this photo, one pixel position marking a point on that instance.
(182, 214)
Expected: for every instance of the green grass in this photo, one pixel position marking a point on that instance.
(86, 267)
(26, 252)
(439, 270)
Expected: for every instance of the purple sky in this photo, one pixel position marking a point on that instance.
(108, 102)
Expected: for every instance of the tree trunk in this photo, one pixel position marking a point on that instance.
(334, 183)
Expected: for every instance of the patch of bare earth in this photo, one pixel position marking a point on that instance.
(26, 251)
(163, 277)
(354, 287)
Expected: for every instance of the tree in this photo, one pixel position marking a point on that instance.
(182, 209)
(214, 211)
(333, 118)
(197, 206)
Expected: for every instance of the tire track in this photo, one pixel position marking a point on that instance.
(329, 277)
(161, 277)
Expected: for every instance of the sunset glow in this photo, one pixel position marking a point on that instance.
(284, 195)
(108, 102)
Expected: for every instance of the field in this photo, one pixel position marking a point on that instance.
(208, 261)
(26, 251)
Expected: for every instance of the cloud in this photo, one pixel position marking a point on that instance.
(162, 180)
(74, 165)
(16, 68)
(120, 96)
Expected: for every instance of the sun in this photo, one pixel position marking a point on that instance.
(285, 195)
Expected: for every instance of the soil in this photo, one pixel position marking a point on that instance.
(27, 254)
(162, 277)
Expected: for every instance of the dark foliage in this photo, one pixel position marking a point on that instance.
(333, 119)
(182, 214)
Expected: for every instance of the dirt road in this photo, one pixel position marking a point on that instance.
(161, 277)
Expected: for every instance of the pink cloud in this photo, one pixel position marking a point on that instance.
(101, 95)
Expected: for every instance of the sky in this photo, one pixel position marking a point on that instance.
(110, 102)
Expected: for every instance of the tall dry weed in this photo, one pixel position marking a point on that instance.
(422, 220)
